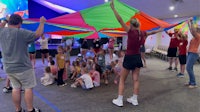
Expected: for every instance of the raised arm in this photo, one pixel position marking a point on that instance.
(154, 32)
(40, 28)
(193, 30)
(120, 20)
(170, 34)
(49, 38)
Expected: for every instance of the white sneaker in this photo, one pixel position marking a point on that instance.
(73, 86)
(117, 102)
(132, 100)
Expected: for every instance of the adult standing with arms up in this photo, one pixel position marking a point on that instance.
(192, 54)
(44, 49)
(14, 43)
(132, 60)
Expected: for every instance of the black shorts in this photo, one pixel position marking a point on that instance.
(132, 61)
(172, 52)
(44, 51)
(182, 59)
(142, 48)
(32, 52)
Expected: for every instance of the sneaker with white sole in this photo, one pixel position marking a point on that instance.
(192, 86)
(35, 110)
(73, 86)
(186, 84)
(180, 75)
(22, 110)
(133, 101)
(118, 102)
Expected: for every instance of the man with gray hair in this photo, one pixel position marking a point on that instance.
(14, 43)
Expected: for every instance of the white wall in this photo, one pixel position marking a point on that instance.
(162, 38)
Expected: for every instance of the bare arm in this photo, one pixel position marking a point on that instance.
(3, 24)
(154, 32)
(192, 29)
(120, 20)
(169, 34)
(40, 28)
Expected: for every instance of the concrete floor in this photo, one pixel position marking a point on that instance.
(160, 91)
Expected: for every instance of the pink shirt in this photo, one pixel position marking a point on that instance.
(54, 70)
(96, 77)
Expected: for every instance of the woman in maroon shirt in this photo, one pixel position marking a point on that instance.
(132, 60)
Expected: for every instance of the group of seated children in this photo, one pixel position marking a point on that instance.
(88, 79)
(86, 73)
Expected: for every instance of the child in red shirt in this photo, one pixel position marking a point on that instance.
(182, 47)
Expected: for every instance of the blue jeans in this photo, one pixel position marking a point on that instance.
(191, 59)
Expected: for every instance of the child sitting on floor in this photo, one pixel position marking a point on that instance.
(89, 64)
(54, 70)
(77, 70)
(95, 74)
(108, 70)
(48, 78)
(85, 80)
